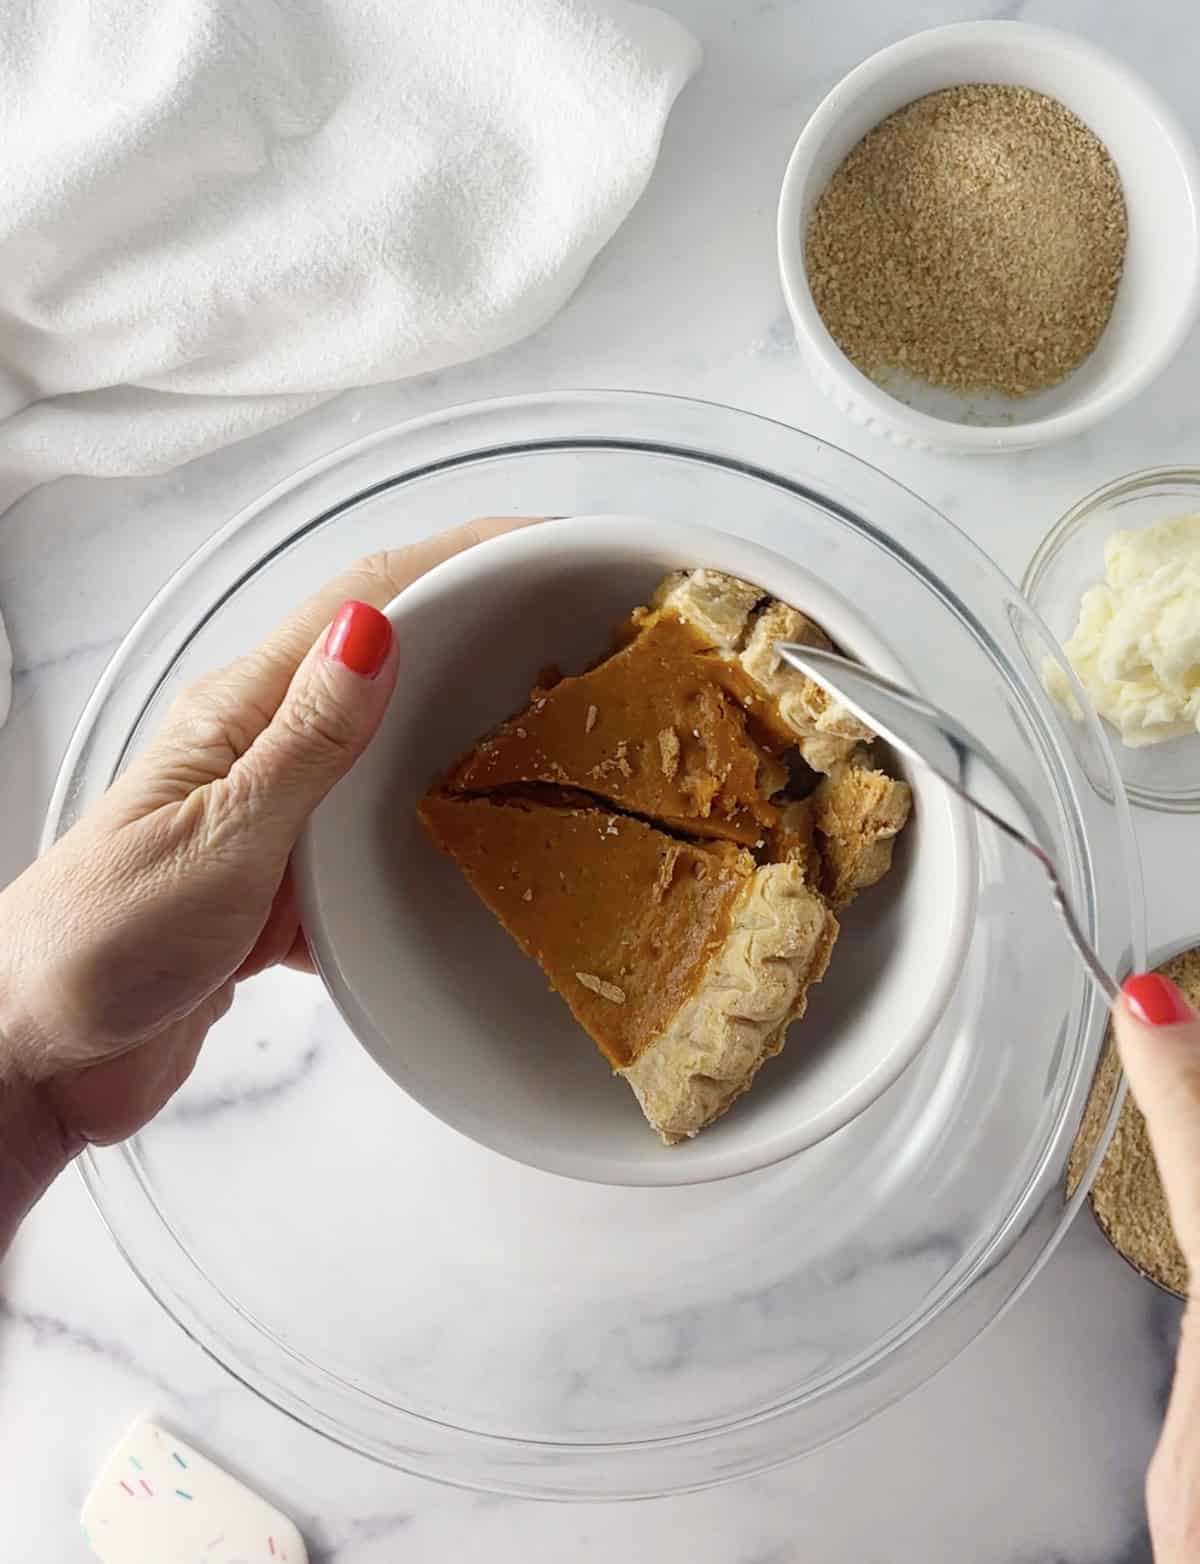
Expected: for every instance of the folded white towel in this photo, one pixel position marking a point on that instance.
(217, 213)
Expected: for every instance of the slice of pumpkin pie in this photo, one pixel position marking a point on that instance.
(684, 961)
(652, 834)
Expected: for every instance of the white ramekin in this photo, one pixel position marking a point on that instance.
(1160, 288)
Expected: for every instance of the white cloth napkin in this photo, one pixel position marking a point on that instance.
(214, 214)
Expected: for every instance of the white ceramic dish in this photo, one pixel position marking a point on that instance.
(1157, 300)
(443, 999)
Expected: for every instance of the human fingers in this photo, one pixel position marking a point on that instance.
(116, 934)
(1158, 1033)
(328, 714)
(217, 719)
(278, 940)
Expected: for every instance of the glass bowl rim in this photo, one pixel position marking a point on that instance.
(989, 1272)
(1064, 531)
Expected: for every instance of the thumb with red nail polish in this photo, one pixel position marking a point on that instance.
(1159, 1036)
(124, 944)
(333, 705)
(1158, 1032)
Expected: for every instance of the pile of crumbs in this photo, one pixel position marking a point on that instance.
(1127, 1196)
(974, 240)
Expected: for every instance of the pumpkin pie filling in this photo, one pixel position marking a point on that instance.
(622, 918)
(651, 730)
(636, 831)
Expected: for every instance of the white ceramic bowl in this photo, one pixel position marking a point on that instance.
(443, 999)
(1157, 300)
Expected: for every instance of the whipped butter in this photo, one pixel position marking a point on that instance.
(1136, 648)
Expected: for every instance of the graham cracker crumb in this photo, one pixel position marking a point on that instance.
(590, 721)
(668, 749)
(608, 991)
(666, 873)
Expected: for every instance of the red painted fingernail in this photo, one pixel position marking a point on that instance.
(360, 638)
(1156, 1001)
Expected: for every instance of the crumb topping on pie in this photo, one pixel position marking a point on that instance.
(858, 812)
(743, 625)
(639, 832)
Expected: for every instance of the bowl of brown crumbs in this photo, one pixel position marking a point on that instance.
(1127, 1197)
(989, 238)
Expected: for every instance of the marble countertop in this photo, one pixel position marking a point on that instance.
(1030, 1448)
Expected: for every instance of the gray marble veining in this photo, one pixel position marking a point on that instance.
(50, 1333)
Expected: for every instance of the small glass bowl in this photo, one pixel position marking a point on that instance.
(1070, 560)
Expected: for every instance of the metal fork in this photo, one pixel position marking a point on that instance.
(940, 743)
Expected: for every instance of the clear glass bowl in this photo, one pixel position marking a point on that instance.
(1071, 559)
(434, 1306)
